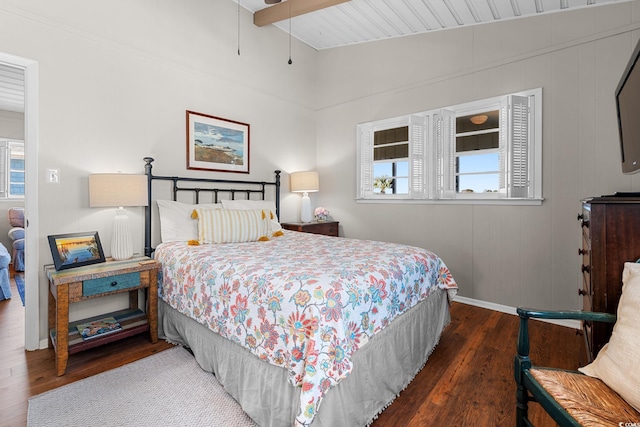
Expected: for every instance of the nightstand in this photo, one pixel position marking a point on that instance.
(95, 281)
(327, 228)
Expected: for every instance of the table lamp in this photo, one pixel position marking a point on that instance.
(118, 189)
(305, 182)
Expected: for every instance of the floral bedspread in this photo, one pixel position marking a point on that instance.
(300, 301)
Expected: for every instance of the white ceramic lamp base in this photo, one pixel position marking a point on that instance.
(305, 208)
(121, 243)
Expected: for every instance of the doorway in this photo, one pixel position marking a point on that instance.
(30, 95)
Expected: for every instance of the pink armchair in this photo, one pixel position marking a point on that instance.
(16, 219)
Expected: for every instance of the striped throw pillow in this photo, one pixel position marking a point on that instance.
(230, 225)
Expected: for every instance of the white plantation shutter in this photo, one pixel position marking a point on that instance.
(445, 140)
(503, 146)
(365, 160)
(519, 144)
(418, 157)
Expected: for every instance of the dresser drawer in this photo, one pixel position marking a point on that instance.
(110, 284)
(327, 228)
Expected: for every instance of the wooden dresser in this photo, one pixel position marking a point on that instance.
(610, 237)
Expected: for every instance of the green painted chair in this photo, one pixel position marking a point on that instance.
(569, 397)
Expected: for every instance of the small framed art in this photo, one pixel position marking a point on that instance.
(76, 249)
(217, 144)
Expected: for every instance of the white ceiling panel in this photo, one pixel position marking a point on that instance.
(359, 21)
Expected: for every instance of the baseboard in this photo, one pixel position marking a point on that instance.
(573, 324)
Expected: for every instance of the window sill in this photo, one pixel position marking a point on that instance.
(497, 202)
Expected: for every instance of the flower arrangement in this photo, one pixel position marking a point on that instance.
(321, 213)
(383, 183)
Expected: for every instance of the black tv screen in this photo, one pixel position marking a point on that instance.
(628, 106)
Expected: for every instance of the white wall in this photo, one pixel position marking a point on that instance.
(11, 125)
(115, 81)
(509, 255)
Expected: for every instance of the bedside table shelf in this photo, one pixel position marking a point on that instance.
(95, 281)
(132, 322)
(326, 228)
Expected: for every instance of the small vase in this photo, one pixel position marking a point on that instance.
(321, 219)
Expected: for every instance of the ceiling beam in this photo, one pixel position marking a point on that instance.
(280, 11)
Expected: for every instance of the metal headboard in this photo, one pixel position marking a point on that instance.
(245, 187)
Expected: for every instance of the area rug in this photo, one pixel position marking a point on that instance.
(19, 278)
(166, 389)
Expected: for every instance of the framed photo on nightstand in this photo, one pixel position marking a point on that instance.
(76, 249)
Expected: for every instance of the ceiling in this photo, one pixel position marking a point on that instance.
(11, 89)
(359, 21)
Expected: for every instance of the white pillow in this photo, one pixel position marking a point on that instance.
(270, 205)
(250, 205)
(176, 224)
(617, 364)
(231, 225)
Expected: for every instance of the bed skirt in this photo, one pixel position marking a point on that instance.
(380, 370)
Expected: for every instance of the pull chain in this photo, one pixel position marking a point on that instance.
(290, 61)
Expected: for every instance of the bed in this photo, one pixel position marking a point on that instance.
(300, 329)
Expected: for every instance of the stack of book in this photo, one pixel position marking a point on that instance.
(98, 328)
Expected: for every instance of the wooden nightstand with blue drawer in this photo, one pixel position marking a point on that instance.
(95, 281)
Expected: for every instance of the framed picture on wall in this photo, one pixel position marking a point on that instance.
(217, 144)
(76, 249)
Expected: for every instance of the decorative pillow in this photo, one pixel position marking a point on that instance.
(231, 225)
(176, 224)
(275, 229)
(16, 217)
(251, 205)
(618, 361)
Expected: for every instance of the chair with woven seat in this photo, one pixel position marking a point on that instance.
(602, 393)
(569, 397)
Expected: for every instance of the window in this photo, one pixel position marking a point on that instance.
(11, 169)
(484, 150)
(391, 161)
(478, 152)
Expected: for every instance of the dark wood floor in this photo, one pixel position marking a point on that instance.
(467, 381)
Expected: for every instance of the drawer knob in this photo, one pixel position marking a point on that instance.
(585, 224)
(582, 292)
(586, 268)
(114, 283)
(583, 251)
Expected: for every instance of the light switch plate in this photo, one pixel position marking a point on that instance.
(53, 176)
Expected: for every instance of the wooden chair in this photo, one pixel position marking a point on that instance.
(569, 397)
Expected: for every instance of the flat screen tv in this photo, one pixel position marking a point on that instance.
(628, 107)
